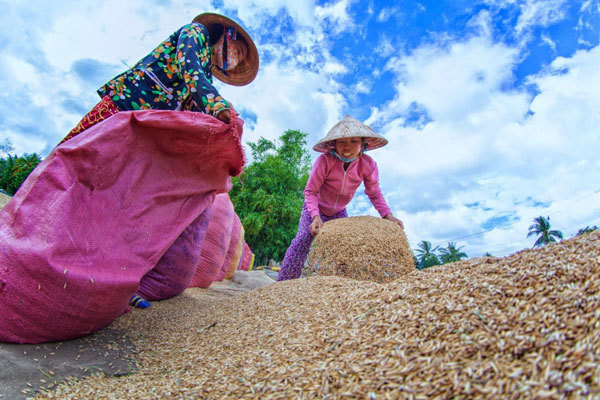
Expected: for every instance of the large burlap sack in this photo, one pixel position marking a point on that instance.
(216, 242)
(362, 248)
(174, 271)
(100, 211)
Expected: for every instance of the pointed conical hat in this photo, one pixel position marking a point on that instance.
(246, 70)
(350, 127)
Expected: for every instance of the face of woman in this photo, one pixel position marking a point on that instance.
(236, 52)
(348, 147)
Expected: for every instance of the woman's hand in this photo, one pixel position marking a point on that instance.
(390, 217)
(224, 115)
(316, 225)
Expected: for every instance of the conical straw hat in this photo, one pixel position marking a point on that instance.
(246, 70)
(350, 127)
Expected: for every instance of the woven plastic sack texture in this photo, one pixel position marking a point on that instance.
(216, 242)
(247, 258)
(175, 270)
(100, 211)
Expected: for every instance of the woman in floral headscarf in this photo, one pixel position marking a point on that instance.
(177, 74)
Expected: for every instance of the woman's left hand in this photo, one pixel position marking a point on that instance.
(390, 217)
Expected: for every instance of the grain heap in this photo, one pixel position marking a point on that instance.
(362, 248)
(523, 326)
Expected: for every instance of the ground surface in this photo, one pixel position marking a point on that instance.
(24, 369)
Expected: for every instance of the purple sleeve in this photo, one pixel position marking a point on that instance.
(372, 190)
(313, 186)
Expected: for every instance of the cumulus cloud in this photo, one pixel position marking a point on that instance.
(487, 145)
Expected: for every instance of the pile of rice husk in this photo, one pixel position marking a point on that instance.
(364, 248)
(523, 326)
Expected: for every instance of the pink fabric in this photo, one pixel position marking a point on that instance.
(100, 211)
(216, 242)
(330, 188)
(246, 258)
(174, 271)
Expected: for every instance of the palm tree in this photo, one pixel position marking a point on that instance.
(587, 229)
(452, 253)
(426, 256)
(541, 226)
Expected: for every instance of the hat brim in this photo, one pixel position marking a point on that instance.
(247, 69)
(325, 144)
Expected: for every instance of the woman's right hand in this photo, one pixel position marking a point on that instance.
(316, 225)
(224, 116)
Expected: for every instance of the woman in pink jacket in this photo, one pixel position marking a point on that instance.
(334, 178)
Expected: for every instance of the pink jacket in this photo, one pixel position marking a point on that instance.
(329, 188)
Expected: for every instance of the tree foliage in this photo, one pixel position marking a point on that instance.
(452, 253)
(426, 256)
(268, 195)
(541, 226)
(14, 170)
(587, 229)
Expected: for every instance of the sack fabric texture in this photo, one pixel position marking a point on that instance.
(98, 214)
(216, 242)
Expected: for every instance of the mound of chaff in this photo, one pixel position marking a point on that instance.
(363, 248)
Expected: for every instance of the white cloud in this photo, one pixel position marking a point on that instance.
(385, 14)
(284, 97)
(540, 13)
(548, 41)
(505, 150)
(337, 14)
(363, 87)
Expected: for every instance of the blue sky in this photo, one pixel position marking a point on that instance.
(491, 107)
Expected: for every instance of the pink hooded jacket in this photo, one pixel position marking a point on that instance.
(329, 188)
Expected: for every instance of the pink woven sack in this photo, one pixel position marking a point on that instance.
(99, 213)
(216, 242)
(247, 258)
(175, 270)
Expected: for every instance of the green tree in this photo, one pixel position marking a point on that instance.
(14, 170)
(541, 226)
(587, 229)
(268, 195)
(426, 256)
(452, 253)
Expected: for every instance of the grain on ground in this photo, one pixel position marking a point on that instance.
(522, 326)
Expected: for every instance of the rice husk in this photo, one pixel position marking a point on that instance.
(523, 326)
(363, 248)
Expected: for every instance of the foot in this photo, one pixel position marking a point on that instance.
(139, 302)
